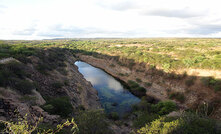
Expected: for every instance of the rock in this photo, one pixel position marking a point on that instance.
(175, 114)
(40, 100)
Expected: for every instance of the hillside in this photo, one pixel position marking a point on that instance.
(39, 78)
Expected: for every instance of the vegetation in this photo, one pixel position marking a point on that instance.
(177, 96)
(60, 106)
(211, 82)
(22, 126)
(165, 55)
(147, 112)
(188, 123)
(92, 122)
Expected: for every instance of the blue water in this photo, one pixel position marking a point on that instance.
(113, 97)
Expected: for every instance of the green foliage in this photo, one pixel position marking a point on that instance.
(138, 80)
(190, 81)
(166, 67)
(60, 106)
(22, 126)
(113, 116)
(24, 86)
(143, 118)
(163, 107)
(132, 84)
(92, 122)
(211, 82)
(148, 84)
(177, 96)
(57, 85)
(189, 123)
(12, 75)
(159, 126)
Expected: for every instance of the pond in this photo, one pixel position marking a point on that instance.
(113, 96)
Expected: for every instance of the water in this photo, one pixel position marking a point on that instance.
(113, 97)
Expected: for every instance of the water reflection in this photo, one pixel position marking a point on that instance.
(109, 90)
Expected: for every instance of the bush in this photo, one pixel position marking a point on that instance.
(141, 89)
(57, 85)
(189, 82)
(177, 96)
(187, 124)
(132, 84)
(163, 107)
(148, 84)
(138, 80)
(24, 86)
(206, 81)
(159, 126)
(143, 118)
(113, 116)
(92, 122)
(211, 82)
(60, 106)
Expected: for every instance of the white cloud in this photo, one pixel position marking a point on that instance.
(39, 19)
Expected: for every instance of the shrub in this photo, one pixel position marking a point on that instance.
(206, 81)
(217, 86)
(24, 86)
(177, 96)
(113, 116)
(159, 126)
(92, 122)
(60, 106)
(57, 85)
(163, 107)
(148, 84)
(187, 124)
(132, 84)
(138, 80)
(143, 118)
(22, 126)
(189, 82)
(141, 89)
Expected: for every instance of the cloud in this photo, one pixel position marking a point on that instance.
(175, 13)
(120, 5)
(28, 31)
(2, 7)
(205, 29)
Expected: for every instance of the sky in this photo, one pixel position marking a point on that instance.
(47, 19)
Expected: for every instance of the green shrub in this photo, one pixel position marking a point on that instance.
(206, 81)
(217, 86)
(163, 107)
(211, 82)
(60, 106)
(141, 89)
(159, 126)
(132, 84)
(138, 80)
(57, 85)
(24, 86)
(92, 122)
(143, 118)
(187, 124)
(177, 96)
(189, 82)
(148, 84)
(113, 116)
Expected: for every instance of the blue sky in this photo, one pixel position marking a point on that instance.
(44, 19)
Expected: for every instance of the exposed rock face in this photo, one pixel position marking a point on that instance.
(80, 92)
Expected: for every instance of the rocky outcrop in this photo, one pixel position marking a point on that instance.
(74, 86)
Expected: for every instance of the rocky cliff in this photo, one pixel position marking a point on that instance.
(55, 83)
